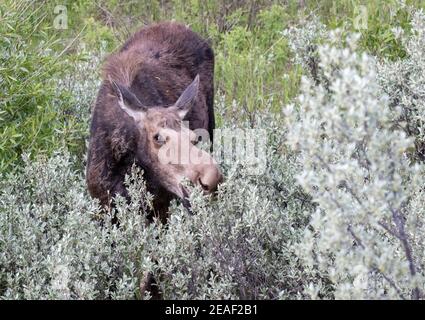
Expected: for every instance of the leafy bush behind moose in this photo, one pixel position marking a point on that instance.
(36, 114)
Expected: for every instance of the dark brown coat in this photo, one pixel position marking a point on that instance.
(157, 63)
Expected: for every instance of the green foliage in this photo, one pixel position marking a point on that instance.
(373, 19)
(33, 115)
(239, 245)
(403, 80)
(351, 126)
(53, 244)
(253, 61)
(56, 245)
(265, 236)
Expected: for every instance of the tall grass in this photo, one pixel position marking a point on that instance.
(253, 61)
(35, 113)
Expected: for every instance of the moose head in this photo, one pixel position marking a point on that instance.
(167, 148)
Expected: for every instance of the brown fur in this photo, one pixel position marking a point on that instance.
(157, 63)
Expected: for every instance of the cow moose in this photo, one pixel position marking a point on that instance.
(157, 82)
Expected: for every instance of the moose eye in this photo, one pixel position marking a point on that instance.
(196, 141)
(159, 139)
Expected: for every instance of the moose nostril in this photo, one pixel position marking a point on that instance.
(204, 186)
(209, 179)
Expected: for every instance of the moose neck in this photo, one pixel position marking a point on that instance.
(155, 87)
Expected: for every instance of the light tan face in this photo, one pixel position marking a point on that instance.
(171, 145)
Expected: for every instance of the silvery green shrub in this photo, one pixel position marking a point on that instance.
(403, 81)
(56, 243)
(83, 82)
(239, 245)
(303, 41)
(355, 167)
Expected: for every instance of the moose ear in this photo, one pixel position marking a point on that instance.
(187, 98)
(128, 100)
